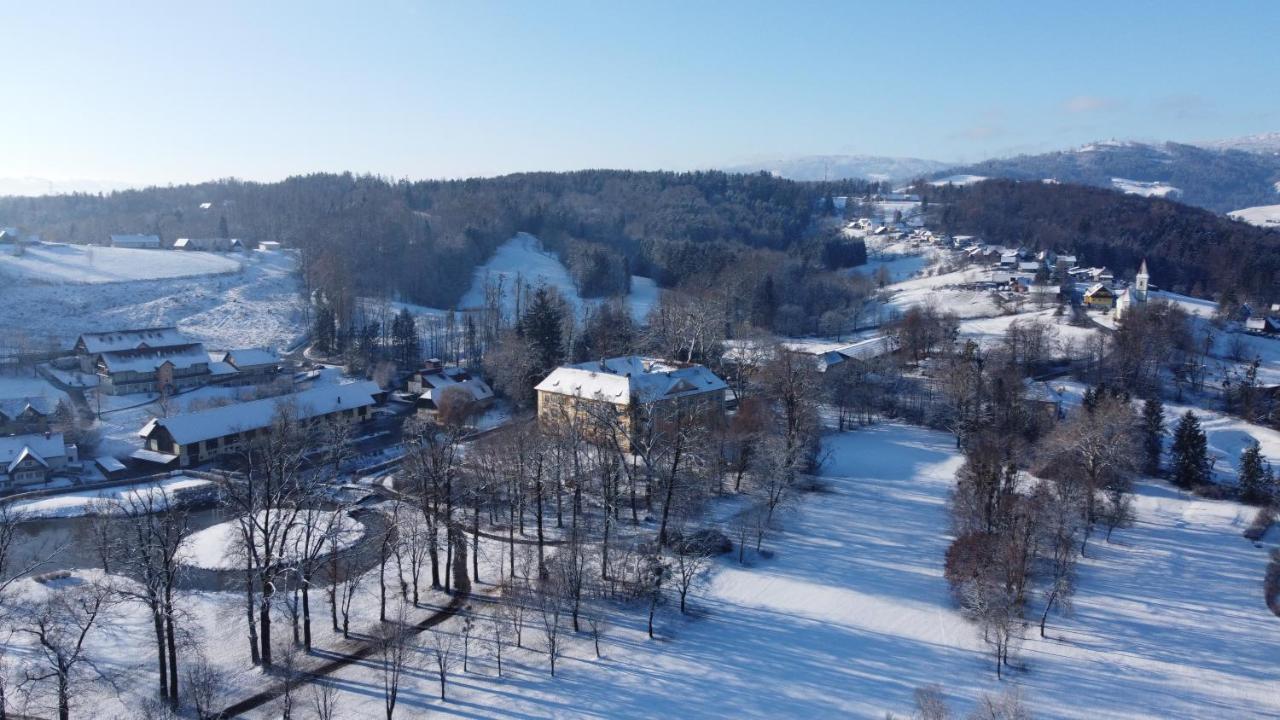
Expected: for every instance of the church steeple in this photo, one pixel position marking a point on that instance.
(1140, 282)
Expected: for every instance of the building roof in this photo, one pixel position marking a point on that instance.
(13, 407)
(439, 382)
(247, 357)
(114, 340)
(1098, 289)
(148, 359)
(38, 445)
(135, 240)
(229, 419)
(869, 348)
(632, 378)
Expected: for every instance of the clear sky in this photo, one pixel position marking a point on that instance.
(159, 92)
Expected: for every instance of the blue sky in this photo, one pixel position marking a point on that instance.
(172, 92)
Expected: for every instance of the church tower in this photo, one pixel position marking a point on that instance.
(1140, 283)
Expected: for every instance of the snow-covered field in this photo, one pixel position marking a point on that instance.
(1145, 189)
(23, 386)
(81, 264)
(852, 614)
(255, 306)
(1267, 216)
(988, 332)
(216, 547)
(959, 180)
(942, 291)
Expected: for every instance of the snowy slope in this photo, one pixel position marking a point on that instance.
(852, 614)
(834, 167)
(523, 259)
(92, 264)
(1267, 216)
(958, 180)
(1145, 189)
(253, 307)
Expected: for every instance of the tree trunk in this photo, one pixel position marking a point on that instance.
(306, 612)
(253, 628)
(157, 618)
(171, 639)
(475, 543)
(264, 621)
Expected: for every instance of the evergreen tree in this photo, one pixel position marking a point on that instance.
(223, 231)
(541, 324)
(1255, 476)
(404, 338)
(765, 304)
(1190, 453)
(828, 204)
(1153, 433)
(324, 330)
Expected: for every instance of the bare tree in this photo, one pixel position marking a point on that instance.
(324, 699)
(1006, 706)
(59, 625)
(692, 555)
(443, 651)
(550, 608)
(204, 683)
(394, 652)
(931, 703)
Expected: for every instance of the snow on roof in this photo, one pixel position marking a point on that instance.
(114, 340)
(135, 241)
(869, 348)
(13, 407)
(439, 381)
(219, 422)
(249, 357)
(109, 464)
(623, 380)
(148, 359)
(1097, 288)
(39, 445)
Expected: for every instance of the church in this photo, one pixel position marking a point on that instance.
(1135, 294)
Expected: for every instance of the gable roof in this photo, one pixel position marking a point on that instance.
(219, 422)
(247, 357)
(113, 340)
(1098, 289)
(38, 445)
(135, 241)
(13, 407)
(149, 359)
(632, 378)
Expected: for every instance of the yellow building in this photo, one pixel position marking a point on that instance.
(1099, 296)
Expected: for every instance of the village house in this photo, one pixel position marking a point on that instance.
(28, 461)
(433, 382)
(199, 437)
(137, 242)
(143, 361)
(247, 366)
(633, 392)
(209, 244)
(1099, 296)
(26, 415)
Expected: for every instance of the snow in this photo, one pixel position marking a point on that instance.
(1145, 189)
(852, 614)
(989, 332)
(215, 547)
(90, 264)
(643, 297)
(959, 180)
(523, 258)
(946, 292)
(257, 306)
(1267, 216)
(75, 504)
(14, 387)
(1227, 437)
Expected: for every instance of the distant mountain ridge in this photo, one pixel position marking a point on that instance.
(1260, 143)
(36, 186)
(844, 167)
(1216, 179)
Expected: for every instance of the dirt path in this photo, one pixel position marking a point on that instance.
(461, 595)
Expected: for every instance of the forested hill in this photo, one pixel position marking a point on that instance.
(362, 235)
(1221, 180)
(1188, 249)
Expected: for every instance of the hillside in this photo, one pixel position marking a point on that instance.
(1188, 249)
(87, 264)
(836, 167)
(1217, 179)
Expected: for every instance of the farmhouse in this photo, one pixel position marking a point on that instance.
(209, 244)
(29, 460)
(140, 242)
(1099, 296)
(632, 392)
(434, 382)
(26, 415)
(198, 437)
(247, 366)
(146, 360)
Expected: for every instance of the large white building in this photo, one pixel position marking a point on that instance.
(1135, 294)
